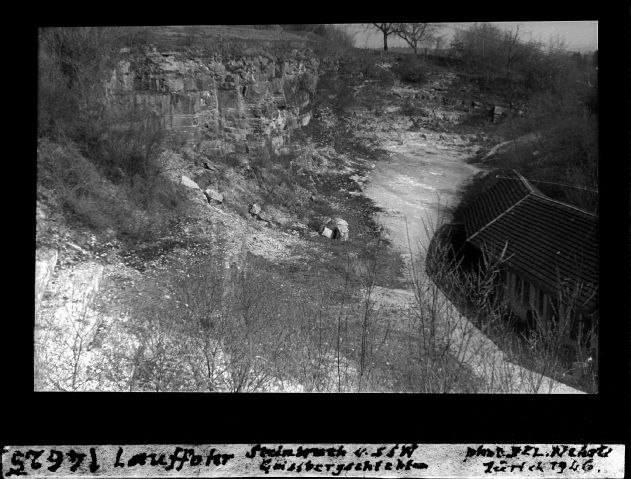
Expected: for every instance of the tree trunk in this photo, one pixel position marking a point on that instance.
(385, 42)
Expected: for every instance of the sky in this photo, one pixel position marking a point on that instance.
(578, 36)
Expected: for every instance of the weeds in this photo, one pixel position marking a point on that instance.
(239, 329)
(250, 328)
(142, 206)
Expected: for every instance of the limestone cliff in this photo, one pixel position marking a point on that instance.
(221, 103)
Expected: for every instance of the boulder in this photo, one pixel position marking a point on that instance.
(186, 181)
(213, 195)
(336, 228)
(208, 165)
(255, 210)
(496, 112)
(340, 222)
(341, 229)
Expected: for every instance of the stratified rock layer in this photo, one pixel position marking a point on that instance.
(223, 104)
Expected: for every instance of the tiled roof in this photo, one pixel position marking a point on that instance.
(549, 242)
(503, 193)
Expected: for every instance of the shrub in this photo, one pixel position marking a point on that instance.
(124, 152)
(377, 72)
(563, 162)
(410, 69)
(139, 207)
(332, 42)
(61, 167)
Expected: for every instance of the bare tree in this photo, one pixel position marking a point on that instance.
(386, 29)
(512, 40)
(414, 33)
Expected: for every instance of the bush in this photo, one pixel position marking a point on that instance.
(331, 42)
(377, 72)
(563, 162)
(127, 151)
(410, 69)
(139, 207)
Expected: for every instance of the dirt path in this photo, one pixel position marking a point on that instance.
(417, 188)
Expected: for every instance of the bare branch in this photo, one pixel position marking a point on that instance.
(386, 29)
(415, 33)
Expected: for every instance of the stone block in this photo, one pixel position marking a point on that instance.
(186, 181)
(213, 195)
(326, 232)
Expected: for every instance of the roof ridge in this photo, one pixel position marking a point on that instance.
(538, 193)
(527, 184)
(567, 205)
(496, 181)
(498, 217)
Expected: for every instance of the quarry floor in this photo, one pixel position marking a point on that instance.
(414, 189)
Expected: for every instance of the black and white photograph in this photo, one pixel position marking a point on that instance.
(318, 208)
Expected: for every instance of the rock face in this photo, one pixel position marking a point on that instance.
(44, 268)
(223, 104)
(68, 314)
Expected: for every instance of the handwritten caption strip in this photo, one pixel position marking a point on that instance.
(317, 460)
